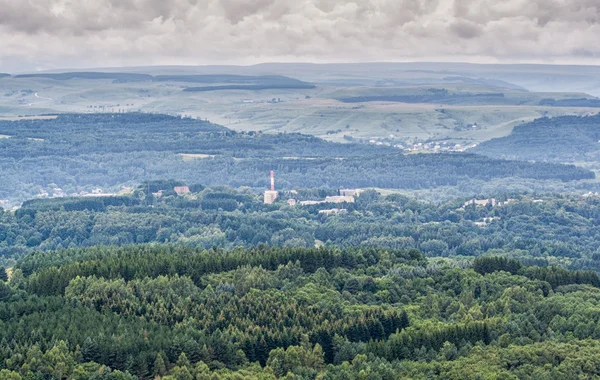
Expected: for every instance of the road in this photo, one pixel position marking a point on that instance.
(41, 97)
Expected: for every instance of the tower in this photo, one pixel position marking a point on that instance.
(271, 195)
(272, 180)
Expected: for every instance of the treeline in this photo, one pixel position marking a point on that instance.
(251, 87)
(118, 77)
(229, 79)
(555, 276)
(581, 102)
(233, 81)
(135, 262)
(442, 97)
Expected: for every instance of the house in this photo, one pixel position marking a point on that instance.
(350, 192)
(291, 202)
(485, 222)
(270, 196)
(339, 199)
(507, 202)
(481, 202)
(309, 203)
(333, 211)
(180, 190)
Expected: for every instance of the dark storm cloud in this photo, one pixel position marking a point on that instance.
(101, 32)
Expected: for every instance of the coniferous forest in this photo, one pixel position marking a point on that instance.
(173, 312)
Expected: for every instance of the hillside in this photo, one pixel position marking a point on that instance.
(71, 153)
(559, 139)
(462, 94)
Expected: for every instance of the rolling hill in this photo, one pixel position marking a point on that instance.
(559, 139)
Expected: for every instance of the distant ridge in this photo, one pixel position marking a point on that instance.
(227, 81)
(533, 77)
(120, 77)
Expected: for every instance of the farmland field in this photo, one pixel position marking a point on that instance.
(342, 105)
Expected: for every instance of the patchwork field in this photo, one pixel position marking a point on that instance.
(399, 106)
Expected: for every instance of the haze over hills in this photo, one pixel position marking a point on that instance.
(533, 77)
(395, 103)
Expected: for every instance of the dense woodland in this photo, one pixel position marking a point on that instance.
(173, 312)
(562, 230)
(559, 139)
(75, 152)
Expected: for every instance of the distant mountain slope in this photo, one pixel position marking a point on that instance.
(227, 79)
(120, 77)
(262, 81)
(560, 139)
(462, 94)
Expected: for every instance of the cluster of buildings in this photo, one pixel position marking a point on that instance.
(485, 221)
(331, 199)
(491, 202)
(427, 147)
(333, 211)
(346, 196)
(439, 146)
(180, 190)
(494, 202)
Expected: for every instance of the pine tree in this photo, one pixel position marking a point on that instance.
(160, 369)
(90, 351)
(3, 274)
(183, 361)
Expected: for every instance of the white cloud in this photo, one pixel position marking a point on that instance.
(59, 33)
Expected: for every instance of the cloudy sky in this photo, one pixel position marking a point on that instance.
(47, 34)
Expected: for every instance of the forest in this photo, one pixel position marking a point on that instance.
(80, 152)
(436, 96)
(548, 230)
(176, 312)
(558, 139)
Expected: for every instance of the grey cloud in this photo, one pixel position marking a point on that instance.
(466, 29)
(102, 32)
